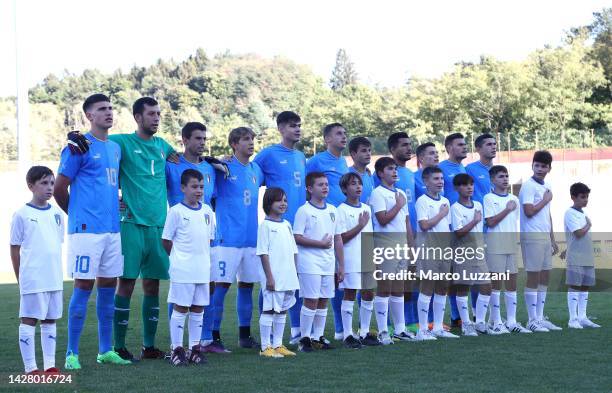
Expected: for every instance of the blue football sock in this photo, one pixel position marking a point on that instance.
(408, 312)
(77, 312)
(336, 303)
(105, 309)
(260, 301)
(474, 293)
(430, 315)
(453, 306)
(207, 323)
(359, 299)
(415, 309)
(244, 306)
(294, 311)
(218, 299)
(170, 308)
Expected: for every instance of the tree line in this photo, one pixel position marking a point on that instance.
(557, 97)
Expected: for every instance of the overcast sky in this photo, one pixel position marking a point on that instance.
(387, 40)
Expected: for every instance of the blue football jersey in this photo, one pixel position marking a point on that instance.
(449, 170)
(482, 180)
(173, 179)
(368, 184)
(93, 206)
(406, 183)
(236, 204)
(333, 167)
(285, 169)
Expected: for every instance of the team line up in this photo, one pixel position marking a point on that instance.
(306, 251)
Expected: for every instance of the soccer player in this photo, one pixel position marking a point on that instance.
(188, 231)
(537, 240)
(456, 148)
(317, 232)
(360, 149)
(94, 243)
(194, 140)
(389, 205)
(143, 186)
(466, 220)
(277, 249)
(501, 216)
(486, 146)
(358, 274)
(427, 155)
(234, 257)
(433, 215)
(580, 274)
(333, 165)
(37, 233)
(284, 167)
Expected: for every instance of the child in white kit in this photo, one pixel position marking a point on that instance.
(190, 226)
(277, 249)
(37, 233)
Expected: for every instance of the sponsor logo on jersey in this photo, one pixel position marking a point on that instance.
(207, 178)
(333, 217)
(58, 219)
(207, 219)
(138, 151)
(96, 156)
(254, 179)
(161, 152)
(282, 162)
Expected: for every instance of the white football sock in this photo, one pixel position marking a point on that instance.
(572, 303)
(531, 303)
(48, 340)
(346, 311)
(464, 311)
(319, 323)
(511, 307)
(365, 316)
(177, 327)
(195, 328)
(439, 305)
(265, 329)
(423, 304)
(482, 305)
(396, 303)
(541, 301)
(306, 320)
(381, 306)
(494, 307)
(583, 299)
(27, 346)
(278, 328)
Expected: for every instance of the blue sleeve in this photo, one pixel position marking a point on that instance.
(70, 164)
(260, 175)
(375, 180)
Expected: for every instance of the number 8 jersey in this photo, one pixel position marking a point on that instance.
(93, 206)
(237, 204)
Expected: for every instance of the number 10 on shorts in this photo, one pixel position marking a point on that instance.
(81, 264)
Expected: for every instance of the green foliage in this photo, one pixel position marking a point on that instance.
(552, 99)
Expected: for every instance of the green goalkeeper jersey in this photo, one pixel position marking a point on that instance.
(142, 178)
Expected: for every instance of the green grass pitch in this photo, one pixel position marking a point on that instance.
(565, 361)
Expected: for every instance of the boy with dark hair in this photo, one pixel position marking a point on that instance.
(355, 217)
(37, 233)
(433, 215)
(188, 232)
(580, 274)
(502, 216)
(537, 240)
(317, 232)
(391, 215)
